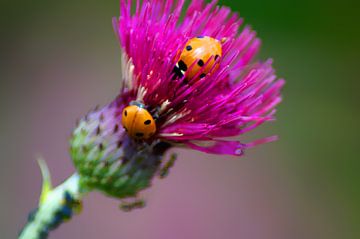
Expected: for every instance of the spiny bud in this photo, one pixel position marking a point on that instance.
(108, 160)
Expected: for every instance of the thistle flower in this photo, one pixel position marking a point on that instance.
(202, 104)
(238, 96)
(200, 113)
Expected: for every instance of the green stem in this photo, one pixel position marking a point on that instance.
(55, 207)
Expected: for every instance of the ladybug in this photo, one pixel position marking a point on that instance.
(137, 121)
(199, 49)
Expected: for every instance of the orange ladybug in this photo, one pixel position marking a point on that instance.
(199, 49)
(137, 121)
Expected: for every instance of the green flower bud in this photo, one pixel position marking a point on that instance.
(108, 160)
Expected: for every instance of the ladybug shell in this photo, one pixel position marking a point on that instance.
(138, 122)
(200, 50)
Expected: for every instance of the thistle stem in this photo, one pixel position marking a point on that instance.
(55, 207)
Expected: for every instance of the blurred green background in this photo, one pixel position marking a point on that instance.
(59, 59)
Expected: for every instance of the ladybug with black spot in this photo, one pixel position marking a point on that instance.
(197, 52)
(137, 121)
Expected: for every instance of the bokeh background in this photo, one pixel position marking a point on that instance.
(58, 59)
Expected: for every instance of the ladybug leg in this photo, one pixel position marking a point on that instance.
(164, 171)
(131, 204)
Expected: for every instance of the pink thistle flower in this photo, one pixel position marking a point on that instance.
(239, 96)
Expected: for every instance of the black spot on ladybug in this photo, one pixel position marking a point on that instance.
(202, 75)
(147, 122)
(139, 134)
(182, 65)
(200, 36)
(188, 48)
(200, 62)
(125, 112)
(216, 57)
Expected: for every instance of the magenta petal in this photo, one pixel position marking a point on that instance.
(220, 147)
(261, 141)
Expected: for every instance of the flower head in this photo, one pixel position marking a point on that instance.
(225, 95)
(238, 95)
